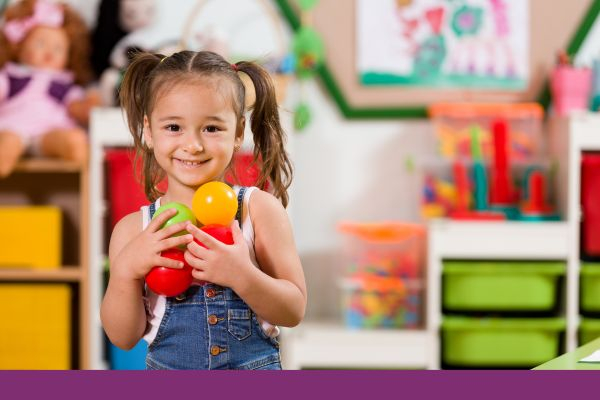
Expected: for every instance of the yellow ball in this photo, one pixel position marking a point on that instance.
(215, 203)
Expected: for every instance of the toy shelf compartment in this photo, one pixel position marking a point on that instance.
(590, 289)
(501, 286)
(500, 343)
(589, 329)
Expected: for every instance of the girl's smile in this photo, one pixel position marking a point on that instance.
(190, 163)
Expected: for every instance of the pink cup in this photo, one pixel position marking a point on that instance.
(570, 89)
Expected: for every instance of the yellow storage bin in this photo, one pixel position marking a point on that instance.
(30, 237)
(35, 327)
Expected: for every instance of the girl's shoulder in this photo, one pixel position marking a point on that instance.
(129, 225)
(127, 228)
(263, 205)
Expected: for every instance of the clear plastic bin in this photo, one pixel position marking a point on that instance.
(454, 124)
(388, 249)
(371, 301)
(525, 191)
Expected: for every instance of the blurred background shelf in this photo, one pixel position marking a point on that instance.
(47, 165)
(323, 345)
(65, 274)
(62, 185)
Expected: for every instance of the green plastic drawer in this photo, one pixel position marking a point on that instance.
(501, 285)
(589, 330)
(496, 342)
(590, 287)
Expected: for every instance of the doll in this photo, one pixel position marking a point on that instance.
(43, 60)
(118, 34)
(116, 19)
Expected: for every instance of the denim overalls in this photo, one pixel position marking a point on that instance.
(211, 327)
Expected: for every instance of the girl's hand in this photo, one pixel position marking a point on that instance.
(142, 253)
(219, 263)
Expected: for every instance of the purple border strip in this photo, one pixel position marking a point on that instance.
(376, 385)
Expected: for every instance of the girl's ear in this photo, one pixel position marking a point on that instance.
(147, 133)
(239, 132)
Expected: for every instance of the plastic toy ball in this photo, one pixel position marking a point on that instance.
(214, 203)
(170, 281)
(183, 214)
(219, 232)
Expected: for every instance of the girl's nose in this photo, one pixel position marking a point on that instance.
(193, 146)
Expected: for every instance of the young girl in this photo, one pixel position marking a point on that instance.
(186, 114)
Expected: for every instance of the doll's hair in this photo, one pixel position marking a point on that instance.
(77, 32)
(149, 75)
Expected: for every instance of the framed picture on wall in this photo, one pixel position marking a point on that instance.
(482, 44)
(368, 88)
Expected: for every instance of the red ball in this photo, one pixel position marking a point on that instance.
(170, 281)
(220, 232)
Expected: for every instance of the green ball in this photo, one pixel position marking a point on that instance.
(183, 214)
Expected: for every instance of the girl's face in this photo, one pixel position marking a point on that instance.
(193, 130)
(46, 48)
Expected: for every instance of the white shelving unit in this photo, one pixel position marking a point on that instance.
(107, 129)
(569, 138)
(490, 240)
(328, 345)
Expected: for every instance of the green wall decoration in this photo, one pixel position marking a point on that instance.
(353, 112)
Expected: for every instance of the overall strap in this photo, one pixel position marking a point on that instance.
(152, 209)
(240, 199)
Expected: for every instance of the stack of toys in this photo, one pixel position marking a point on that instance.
(382, 275)
(489, 168)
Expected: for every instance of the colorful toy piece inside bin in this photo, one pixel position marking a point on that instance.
(382, 274)
(453, 124)
(381, 302)
(488, 146)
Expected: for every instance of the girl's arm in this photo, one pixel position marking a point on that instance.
(276, 292)
(122, 312)
(132, 254)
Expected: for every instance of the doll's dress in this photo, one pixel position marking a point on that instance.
(34, 101)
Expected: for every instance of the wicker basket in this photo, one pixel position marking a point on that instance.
(281, 81)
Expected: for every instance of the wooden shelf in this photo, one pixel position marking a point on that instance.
(46, 165)
(63, 274)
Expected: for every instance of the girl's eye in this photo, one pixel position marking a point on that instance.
(212, 129)
(173, 128)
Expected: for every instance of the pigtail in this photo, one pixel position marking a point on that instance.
(134, 95)
(269, 137)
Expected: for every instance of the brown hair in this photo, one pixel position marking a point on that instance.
(79, 46)
(149, 73)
